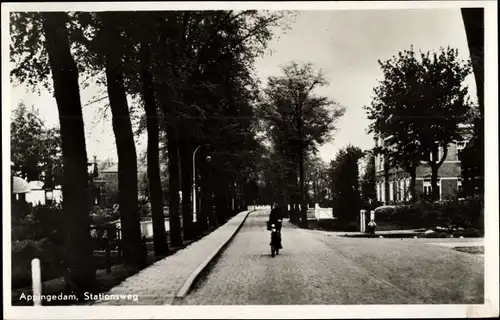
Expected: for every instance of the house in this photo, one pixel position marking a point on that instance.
(38, 194)
(108, 181)
(110, 174)
(393, 183)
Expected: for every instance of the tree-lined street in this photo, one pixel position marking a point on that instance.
(319, 268)
(220, 136)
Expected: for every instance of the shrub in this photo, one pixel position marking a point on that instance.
(50, 221)
(101, 216)
(23, 252)
(145, 210)
(371, 206)
(465, 214)
(469, 233)
(337, 225)
(45, 221)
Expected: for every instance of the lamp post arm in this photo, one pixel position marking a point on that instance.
(194, 181)
(194, 162)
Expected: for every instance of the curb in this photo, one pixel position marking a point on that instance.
(184, 290)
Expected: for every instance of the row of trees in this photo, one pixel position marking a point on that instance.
(191, 74)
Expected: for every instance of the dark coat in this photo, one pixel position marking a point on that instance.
(275, 215)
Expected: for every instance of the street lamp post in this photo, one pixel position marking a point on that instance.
(194, 180)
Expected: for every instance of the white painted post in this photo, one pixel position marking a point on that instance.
(36, 280)
(362, 220)
(372, 215)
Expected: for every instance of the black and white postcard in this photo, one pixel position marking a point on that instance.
(250, 159)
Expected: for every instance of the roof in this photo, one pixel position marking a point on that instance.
(113, 168)
(20, 185)
(35, 185)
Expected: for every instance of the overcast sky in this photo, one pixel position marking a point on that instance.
(345, 44)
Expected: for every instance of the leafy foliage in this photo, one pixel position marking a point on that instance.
(419, 105)
(448, 214)
(35, 149)
(292, 93)
(296, 122)
(368, 189)
(345, 183)
(27, 52)
(318, 177)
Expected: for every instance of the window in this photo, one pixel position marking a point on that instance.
(460, 147)
(407, 188)
(382, 192)
(439, 154)
(460, 188)
(402, 190)
(439, 189)
(428, 188)
(379, 195)
(391, 191)
(396, 190)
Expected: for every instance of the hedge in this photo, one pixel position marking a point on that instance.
(464, 214)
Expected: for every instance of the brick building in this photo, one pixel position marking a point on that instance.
(393, 183)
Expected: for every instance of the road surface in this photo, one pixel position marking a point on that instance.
(320, 268)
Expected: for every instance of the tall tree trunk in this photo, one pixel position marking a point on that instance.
(170, 121)
(205, 207)
(296, 197)
(127, 158)
(80, 269)
(173, 187)
(285, 203)
(187, 177)
(303, 203)
(474, 29)
(435, 165)
(434, 183)
(219, 208)
(155, 188)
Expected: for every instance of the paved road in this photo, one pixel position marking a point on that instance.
(319, 268)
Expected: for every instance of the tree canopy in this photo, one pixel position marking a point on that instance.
(419, 107)
(35, 148)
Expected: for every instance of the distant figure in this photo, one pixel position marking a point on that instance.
(276, 218)
(371, 228)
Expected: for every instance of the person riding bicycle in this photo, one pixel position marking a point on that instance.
(276, 218)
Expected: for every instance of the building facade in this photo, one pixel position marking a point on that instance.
(393, 183)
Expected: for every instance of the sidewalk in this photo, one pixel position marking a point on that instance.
(160, 283)
(359, 233)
